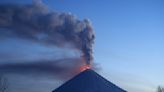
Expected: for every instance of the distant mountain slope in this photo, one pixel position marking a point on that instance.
(88, 81)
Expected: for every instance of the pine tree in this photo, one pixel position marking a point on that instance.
(3, 84)
(160, 89)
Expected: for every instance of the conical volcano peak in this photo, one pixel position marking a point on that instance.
(88, 71)
(88, 81)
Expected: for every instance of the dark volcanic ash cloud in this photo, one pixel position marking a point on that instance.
(37, 24)
(60, 69)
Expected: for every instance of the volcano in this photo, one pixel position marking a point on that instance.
(88, 81)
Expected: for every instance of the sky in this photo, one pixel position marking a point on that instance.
(129, 43)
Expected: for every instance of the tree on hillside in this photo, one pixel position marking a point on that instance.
(160, 89)
(3, 84)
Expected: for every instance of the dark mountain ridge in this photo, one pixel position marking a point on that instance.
(88, 81)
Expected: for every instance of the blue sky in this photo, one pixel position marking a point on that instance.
(129, 38)
(129, 44)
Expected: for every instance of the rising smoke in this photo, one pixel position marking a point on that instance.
(36, 23)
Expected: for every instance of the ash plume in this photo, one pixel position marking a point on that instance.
(59, 69)
(34, 22)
